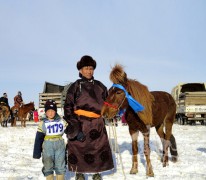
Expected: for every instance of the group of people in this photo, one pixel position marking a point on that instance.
(18, 101)
(88, 149)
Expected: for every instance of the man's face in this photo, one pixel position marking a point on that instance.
(87, 71)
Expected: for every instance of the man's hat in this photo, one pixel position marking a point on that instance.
(50, 104)
(86, 61)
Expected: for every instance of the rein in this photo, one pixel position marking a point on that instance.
(113, 106)
(110, 105)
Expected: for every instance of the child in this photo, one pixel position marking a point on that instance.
(50, 144)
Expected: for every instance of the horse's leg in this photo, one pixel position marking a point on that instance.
(14, 124)
(168, 133)
(6, 120)
(160, 132)
(3, 123)
(1, 119)
(173, 148)
(147, 154)
(20, 119)
(134, 136)
(24, 122)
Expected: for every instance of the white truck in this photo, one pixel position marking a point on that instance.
(55, 92)
(191, 102)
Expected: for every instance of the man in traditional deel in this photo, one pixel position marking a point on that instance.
(88, 145)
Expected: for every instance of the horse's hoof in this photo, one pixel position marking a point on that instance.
(133, 171)
(151, 174)
(165, 164)
(174, 159)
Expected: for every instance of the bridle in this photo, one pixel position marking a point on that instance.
(113, 106)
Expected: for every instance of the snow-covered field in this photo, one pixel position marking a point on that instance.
(16, 148)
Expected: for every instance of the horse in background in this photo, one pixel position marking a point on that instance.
(159, 112)
(4, 115)
(21, 113)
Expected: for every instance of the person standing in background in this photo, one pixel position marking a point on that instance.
(36, 115)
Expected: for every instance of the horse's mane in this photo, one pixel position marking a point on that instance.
(137, 90)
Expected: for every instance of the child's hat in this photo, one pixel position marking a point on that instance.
(50, 104)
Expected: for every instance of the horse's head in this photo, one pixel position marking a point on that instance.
(32, 106)
(116, 101)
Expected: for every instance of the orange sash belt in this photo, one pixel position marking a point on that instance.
(90, 114)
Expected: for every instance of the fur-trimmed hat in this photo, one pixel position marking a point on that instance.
(50, 104)
(19, 93)
(86, 61)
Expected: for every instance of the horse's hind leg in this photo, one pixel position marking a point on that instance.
(6, 123)
(147, 154)
(24, 122)
(168, 134)
(13, 122)
(160, 132)
(134, 136)
(173, 148)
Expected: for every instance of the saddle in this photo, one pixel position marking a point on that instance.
(3, 104)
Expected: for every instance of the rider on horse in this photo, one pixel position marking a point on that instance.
(18, 101)
(4, 101)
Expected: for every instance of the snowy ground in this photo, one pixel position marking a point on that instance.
(16, 148)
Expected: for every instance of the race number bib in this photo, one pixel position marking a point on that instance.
(54, 128)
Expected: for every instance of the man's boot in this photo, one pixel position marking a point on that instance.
(79, 176)
(97, 177)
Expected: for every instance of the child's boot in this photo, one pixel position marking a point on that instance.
(60, 177)
(50, 177)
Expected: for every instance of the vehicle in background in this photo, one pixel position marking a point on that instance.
(55, 92)
(191, 102)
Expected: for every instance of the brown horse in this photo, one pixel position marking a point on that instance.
(22, 113)
(159, 112)
(4, 115)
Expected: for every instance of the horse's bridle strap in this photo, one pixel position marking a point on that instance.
(110, 105)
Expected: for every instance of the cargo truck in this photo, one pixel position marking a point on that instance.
(55, 92)
(191, 102)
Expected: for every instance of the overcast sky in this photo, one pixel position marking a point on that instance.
(159, 42)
